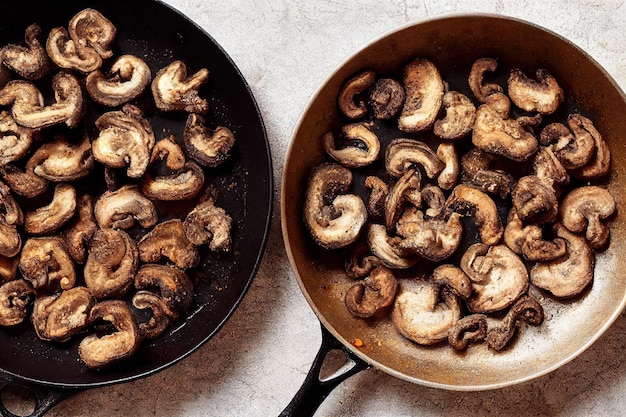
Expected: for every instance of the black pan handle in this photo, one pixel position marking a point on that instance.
(313, 390)
(45, 397)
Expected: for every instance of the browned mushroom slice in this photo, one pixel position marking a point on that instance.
(425, 313)
(477, 173)
(454, 278)
(170, 151)
(424, 91)
(15, 140)
(174, 288)
(68, 54)
(30, 61)
(60, 316)
(495, 132)
(10, 212)
(100, 351)
(122, 207)
(25, 183)
(543, 95)
(15, 297)
(375, 292)
(361, 262)
(406, 189)
(433, 200)
(126, 139)
(387, 248)
(386, 98)
(526, 309)
(498, 275)
(584, 209)
(61, 161)
(10, 240)
(168, 240)
(528, 240)
(50, 218)
(451, 172)
(362, 150)
(469, 329)
(111, 264)
(548, 167)
(534, 200)
(174, 91)
(459, 119)
(600, 164)
(79, 233)
(481, 90)
(338, 223)
(401, 154)
(184, 184)
(207, 147)
(347, 100)
(46, 264)
(378, 191)
(89, 28)
(8, 268)
(158, 321)
(208, 224)
(575, 147)
(127, 79)
(468, 200)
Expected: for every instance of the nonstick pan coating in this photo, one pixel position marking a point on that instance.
(158, 34)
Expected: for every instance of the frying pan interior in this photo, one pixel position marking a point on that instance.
(453, 43)
(158, 34)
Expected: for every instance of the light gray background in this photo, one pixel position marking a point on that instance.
(256, 363)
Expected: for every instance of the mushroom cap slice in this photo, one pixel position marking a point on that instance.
(50, 218)
(168, 149)
(386, 98)
(184, 184)
(89, 28)
(459, 119)
(347, 99)
(207, 147)
(208, 224)
(449, 176)
(15, 140)
(126, 139)
(387, 248)
(424, 94)
(499, 277)
(8, 268)
(111, 264)
(46, 264)
(174, 91)
(173, 287)
(477, 173)
(600, 164)
(528, 240)
(481, 90)
(353, 155)
(101, 351)
(584, 209)
(526, 309)
(15, 298)
(543, 95)
(534, 200)
(25, 183)
(454, 278)
(573, 146)
(127, 79)
(406, 189)
(79, 233)
(469, 200)
(122, 207)
(30, 61)
(402, 153)
(375, 292)
(547, 166)
(338, 223)
(61, 160)
(68, 54)
(168, 240)
(10, 212)
(60, 316)
(425, 313)
(10, 240)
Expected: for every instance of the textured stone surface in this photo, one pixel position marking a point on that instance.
(285, 49)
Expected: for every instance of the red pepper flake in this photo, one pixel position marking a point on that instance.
(357, 342)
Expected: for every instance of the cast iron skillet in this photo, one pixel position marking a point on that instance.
(159, 34)
(453, 43)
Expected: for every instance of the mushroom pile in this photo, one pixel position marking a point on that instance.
(459, 212)
(83, 251)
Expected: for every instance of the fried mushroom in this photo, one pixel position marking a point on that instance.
(208, 147)
(375, 292)
(406, 189)
(170, 151)
(575, 147)
(60, 316)
(362, 150)
(8, 268)
(174, 91)
(585, 209)
(449, 176)
(15, 140)
(378, 192)
(600, 164)
(168, 239)
(401, 154)
(68, 54)
(424, 91)
(347, 100)
(122, 207)
(46, 264)
(30, 61)
(526, 309)
(10, 212)
(50, 218)
(528, 240)
(23, 182)
(468, 200)
(15, 299)
(469, 329)
(79, 233)
(183, 184)
(459, 119)
(90, 29)
(386, 98)
(387, 248)
(208, 224)
(534, 200)
(477, 173)
(127, 79)
(62, 161)
(543, 94)
(10, 240)
(480, 89)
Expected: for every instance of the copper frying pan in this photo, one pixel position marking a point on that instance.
(453, 43)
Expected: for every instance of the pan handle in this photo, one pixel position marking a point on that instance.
(45, 397)
(314, 390)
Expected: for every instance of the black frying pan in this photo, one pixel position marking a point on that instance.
(159, 35)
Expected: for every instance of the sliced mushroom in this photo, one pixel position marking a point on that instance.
(111, 264)
(575, 147)
(127, 79)
(543, 95)
(406, 189)
(25, 183)
(585, 209)
(361, 262)
(348, 101)
(495, 132)
(477, 173)
(10, 240)
(454, 278)
(476, 79)
(101, 351)
(46, 264)
(469, 329)
(528, 240)
(433, 200)
(15, 140)
(61, 160)
(174, 91)
(548, 167)
(184, 184)
(387, 248)
(30, 61)
(425, 313)
(459, 119)
(208, 224)
(158, 321)
(121, 208)
(450, 174)
(207, 147)
(526, 309)
(468, 200)
(79, 233)
(10, 212)
(600, 164)
(126, 139)
(15, 298)
(375, 292)
(89, 28)
(168, 149)
(60, 316)
(362, 150)
(68, 54)
(401, 154)
(168, 240)
(50, 218)
(8, 268)
(338, 223)
(386, 98)
(498, 276)
(534, 200)
(378, 191)
(424, 91)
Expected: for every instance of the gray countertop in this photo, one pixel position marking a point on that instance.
(256, 363)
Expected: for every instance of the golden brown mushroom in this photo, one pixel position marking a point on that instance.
(480, 89)
(122, 207)
(585, 209)
(50, 218)
(174, 91)
(46, 264)
(424, 94)
(60, 160)
(127, 79)
(168, 240)
(207, 147)
(30, 61)
(15, 299)
(184, 184)
(375, 292)
(208, 224)
(347, 99)
(82, 228)
(386, 98)
(467, 200)
(90, 29)
(526, 309)
(60, 316)
(68, 54)
(401, 154)
(15, 140)
(362, 149)
(459, 119)
(543, 94)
